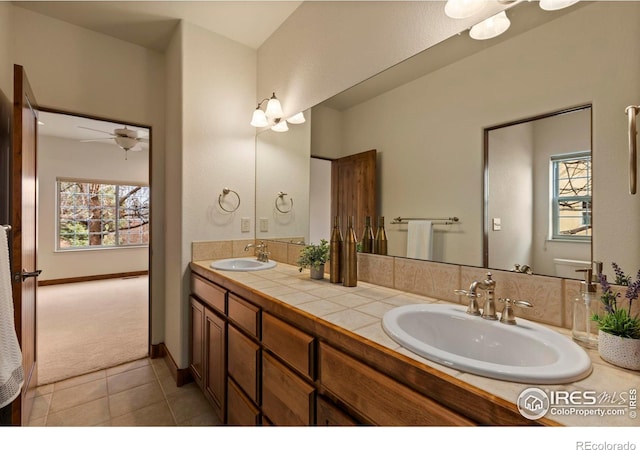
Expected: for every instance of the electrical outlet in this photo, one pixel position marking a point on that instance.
(264, 224)
(497, 224)
(245, 225)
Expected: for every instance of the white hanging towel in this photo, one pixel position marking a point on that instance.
(420, 239)
(11, 374)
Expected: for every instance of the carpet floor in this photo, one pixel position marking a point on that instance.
(92, 325)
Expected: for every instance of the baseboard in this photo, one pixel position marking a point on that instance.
(181, 376)
(107, 276)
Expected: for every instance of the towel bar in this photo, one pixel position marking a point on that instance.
(7, 227)
(439, 221)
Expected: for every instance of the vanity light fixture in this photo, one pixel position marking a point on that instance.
(272, 116)
(491, 27)
(461, 9)
(553, 5)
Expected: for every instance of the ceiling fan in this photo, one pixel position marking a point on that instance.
(125, 138)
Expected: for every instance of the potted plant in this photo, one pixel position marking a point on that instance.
(314, 257)
(618, 329)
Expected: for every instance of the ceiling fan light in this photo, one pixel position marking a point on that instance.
(259, 119)
(491, 27)
(461, 9)
(125, 142)
(553, 5)
(297, 119)
(280, 126)
(274, 109)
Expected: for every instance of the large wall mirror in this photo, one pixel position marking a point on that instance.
(428, 116)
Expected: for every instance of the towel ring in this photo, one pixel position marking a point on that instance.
(226, 191)
(281, 196)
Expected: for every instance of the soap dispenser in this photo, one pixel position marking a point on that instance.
(585, 330)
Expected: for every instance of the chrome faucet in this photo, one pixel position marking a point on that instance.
(262, 253)
(523, 269)
(489, 307)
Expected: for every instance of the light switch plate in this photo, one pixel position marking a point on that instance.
(264, 224)
(497, 224)
(245, 224)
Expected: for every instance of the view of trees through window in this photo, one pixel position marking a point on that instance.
(95, 214)
(572, 196)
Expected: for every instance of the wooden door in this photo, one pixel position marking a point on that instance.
(354, 189)
(24, 246)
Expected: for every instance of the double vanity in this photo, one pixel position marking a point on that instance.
(273, 347)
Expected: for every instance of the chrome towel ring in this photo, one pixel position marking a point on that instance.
(226, 191)
(281, 197)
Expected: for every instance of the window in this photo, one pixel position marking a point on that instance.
(92, 214)
(571, 203)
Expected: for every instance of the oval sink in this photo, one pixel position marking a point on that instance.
(242, 264)
(525, 353)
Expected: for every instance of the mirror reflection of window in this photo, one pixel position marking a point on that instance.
(571, 193)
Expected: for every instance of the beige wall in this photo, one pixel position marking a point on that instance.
(6, 71)
(58, 157)
(324, 48)
(214, 148)
(77, 70)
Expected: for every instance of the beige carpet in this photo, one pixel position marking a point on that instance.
(84, 327)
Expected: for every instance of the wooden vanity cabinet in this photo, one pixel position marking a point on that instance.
(196, 343)
(244, 363)
(240, 409)
(215, 374)
(329, 415)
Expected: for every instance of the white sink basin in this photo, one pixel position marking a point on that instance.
(525, 353)
(242, 264)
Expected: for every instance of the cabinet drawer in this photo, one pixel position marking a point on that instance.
(292, 345)
(214, 296)
(377, 397)
(240, 410)
(329, 415)
(243, 362)
(286, 398)
(245, 315)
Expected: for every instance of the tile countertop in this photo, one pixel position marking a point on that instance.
(360, 310)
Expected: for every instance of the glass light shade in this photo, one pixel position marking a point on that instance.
(461, 9)
(281, 126)
(125, 142)
(552, 5)
(296, 118)
(491, 27)
(259, 120)
(274, 109)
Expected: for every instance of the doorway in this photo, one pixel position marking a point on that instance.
(93, 244)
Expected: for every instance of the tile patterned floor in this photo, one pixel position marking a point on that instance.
(139, 393)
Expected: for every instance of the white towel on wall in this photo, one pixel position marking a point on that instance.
(420, 239)
(11, 374)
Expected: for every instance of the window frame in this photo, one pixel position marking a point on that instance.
(556, 199)
(116, 219)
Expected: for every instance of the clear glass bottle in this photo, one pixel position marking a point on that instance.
(380, 245)
(584, 329)
(367, 236)
(335, 253)
(350, 269)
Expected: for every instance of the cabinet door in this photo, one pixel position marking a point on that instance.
(196, 347)
(377, 397)
(215, 354)
(286, 398)
(244, 362)
(329, 415)
(293, 346)
(240, 410)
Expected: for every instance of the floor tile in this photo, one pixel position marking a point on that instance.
(188, 402)
(76, 395)
(135, 398)
(75, 381)
(132, 378)
(127, 366)
(157, 414)
(87, 414)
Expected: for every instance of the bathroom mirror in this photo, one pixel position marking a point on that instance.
(282, 183)
(429, 128)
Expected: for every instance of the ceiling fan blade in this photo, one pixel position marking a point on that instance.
(96, 140)
(93, 129)
(144, 140)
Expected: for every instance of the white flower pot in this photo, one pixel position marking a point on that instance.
(622, 352)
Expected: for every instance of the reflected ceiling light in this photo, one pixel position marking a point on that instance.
(461, 9)
(491, 27)
(280, 126)
(296, 119)
(553, 5)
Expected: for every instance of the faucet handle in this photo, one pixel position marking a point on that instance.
(473, 308)
(508, 316)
